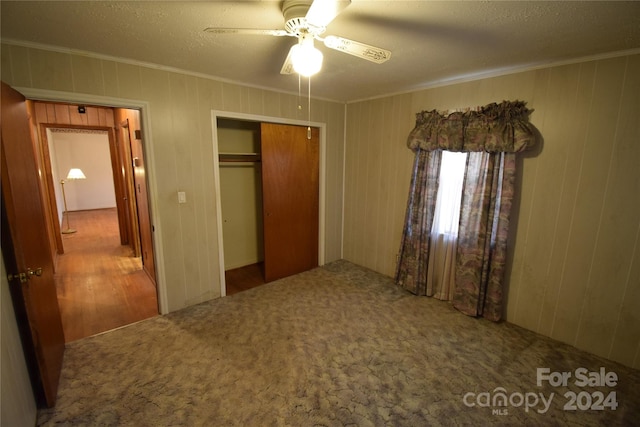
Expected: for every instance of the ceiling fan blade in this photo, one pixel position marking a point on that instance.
(287, 67)
(322, 12)
(253, 31)
(361, 50)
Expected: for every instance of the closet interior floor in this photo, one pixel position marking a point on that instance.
(243, 278)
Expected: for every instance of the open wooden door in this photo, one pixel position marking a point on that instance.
(290, 192)
(130, 131)
(25, 249)
(142, 202)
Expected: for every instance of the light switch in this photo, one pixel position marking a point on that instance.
(182, 197)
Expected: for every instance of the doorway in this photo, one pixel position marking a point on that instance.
(104, 279)
(273, 158)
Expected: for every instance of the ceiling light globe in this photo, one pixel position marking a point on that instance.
(306, 59)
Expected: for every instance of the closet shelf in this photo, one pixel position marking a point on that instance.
(239, 157)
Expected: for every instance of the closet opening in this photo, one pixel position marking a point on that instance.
(269, 194)
(241, 202)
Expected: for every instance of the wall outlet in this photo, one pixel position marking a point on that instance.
(182, 197)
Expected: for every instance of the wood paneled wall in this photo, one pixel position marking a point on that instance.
(574, 265)
(181, 145)
(67, 114)
(575, 250)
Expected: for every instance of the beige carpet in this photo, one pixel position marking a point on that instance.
(335, 346)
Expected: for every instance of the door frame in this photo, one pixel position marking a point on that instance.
(130, 207)
(215, 115)
(143, 107)
(44, 142)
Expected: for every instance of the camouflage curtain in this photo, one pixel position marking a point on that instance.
(492, 135)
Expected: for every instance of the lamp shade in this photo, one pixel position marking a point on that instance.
(75, 173)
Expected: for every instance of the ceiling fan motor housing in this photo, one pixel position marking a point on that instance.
(294, 12)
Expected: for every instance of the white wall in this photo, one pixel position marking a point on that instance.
(90, 153)
(17, 404)
(57, 187)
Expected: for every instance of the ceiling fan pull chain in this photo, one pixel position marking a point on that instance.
(309, 110)
(299, 93)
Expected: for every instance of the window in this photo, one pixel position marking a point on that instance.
(447, 211)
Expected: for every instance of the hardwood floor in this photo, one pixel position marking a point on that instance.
(100, 285)
(243, 278)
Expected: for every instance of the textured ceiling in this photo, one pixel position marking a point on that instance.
(431, 42)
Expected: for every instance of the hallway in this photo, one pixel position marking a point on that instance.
(99, 285)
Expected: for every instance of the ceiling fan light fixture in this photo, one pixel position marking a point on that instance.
(306, 59)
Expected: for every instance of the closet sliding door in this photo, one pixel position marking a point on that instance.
(290, 191)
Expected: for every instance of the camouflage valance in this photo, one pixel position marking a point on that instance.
(493, 128)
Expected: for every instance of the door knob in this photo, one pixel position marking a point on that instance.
(36, 272)
(23, 277)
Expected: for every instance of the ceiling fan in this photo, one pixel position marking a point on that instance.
(307, 21)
